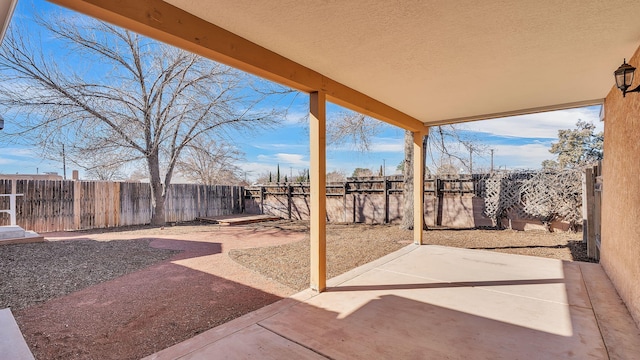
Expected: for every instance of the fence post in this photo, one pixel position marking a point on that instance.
(345, 186)
(590, 198)
(585, 208)
(386, 201)
(289, 200)
(597, 213)
(438, 200)
(242, 200)
(262, 200)
(116, 204)
(354, 208)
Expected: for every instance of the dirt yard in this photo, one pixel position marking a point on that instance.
(349, 246)
(128, 293)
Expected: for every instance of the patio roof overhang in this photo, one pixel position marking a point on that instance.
(412, 63)
(6, 11)
(431, 61)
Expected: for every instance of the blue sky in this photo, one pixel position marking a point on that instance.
(519, 142)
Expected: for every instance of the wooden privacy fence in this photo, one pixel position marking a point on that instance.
(507, 199)
(592, 209)
(50, 205)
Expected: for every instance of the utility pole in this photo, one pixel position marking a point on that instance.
(384, 168)
(492, 161)
(470, 159)
(64, 164)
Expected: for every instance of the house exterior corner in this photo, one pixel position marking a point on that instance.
(620, 249)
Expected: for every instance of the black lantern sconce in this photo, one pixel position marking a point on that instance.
(624, 78)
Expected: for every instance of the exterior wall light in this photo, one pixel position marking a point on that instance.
(624, 78)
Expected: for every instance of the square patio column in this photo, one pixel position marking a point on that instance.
(418, 185)
(318, 183)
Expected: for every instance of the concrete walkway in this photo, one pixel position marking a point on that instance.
(12, 344)
(441, 303)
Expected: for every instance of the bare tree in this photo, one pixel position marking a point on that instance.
(362, 172)
(137, 175)
(447, 169)
(265, 177)
(407, 172)
(449, 147)
(354, 129)
(444, 145)
(119, 94)
(210, 162)
(96, 165)
(104, 173)
(336, 176)
(303, 176)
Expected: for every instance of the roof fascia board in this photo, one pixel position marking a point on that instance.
(6, 12)
(536, 110)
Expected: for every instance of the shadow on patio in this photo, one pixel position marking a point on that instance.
(437, 302)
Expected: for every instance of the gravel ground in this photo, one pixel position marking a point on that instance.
(34, 273)
(349, 246)
(137, 314)
(126, 293)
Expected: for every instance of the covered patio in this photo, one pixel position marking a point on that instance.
(417, 64)
(438, 303)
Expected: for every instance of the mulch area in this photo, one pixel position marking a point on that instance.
(66, 266)
(127, 293)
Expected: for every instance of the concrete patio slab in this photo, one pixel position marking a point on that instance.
(254, 342)
(13, 234)
(438, 302)
(12, 344)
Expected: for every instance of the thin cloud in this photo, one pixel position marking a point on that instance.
(254, 169)
(280, 146)
(540, 125)
(268, 164)
(17, 152)
(387, 145)
(295, 117)
(26, 165)
(378, 145)
(292, 159)
(284, 159)
(526, 156)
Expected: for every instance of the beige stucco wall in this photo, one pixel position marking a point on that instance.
(620, 250)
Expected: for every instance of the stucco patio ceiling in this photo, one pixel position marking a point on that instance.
(446, 61)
